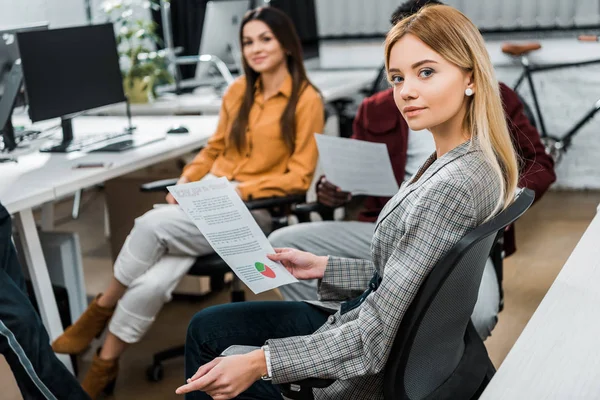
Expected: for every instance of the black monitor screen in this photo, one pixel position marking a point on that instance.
(303, 15)
(70, 70)
(9, 51)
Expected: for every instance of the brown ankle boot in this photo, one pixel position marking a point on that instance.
(78, 336)
(101, 376)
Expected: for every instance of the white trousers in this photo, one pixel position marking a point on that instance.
(157, 254)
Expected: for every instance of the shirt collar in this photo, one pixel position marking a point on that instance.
(285, 88)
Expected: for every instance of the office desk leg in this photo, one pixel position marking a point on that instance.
(48, 216)
(106, 221)
(40, 279)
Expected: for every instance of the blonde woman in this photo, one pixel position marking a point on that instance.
(443, 81)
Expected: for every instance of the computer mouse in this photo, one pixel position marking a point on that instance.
(178, 129)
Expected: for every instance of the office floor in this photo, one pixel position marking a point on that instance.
(546, 236)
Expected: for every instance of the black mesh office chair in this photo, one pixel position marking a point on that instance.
(346, 122)
(214, 267)
(423, 363)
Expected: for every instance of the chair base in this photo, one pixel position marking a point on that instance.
(155, 372)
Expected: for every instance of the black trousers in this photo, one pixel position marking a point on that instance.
(24, 341)
(251, 323)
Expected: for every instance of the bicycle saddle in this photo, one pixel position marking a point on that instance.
(519, 49)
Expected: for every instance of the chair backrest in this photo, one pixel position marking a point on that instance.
(431, 339)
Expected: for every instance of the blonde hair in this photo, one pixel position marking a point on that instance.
(451, 34)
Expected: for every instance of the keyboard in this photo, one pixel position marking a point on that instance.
(126, 143)
(121, 145)
(81, 143)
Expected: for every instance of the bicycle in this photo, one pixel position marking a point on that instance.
(555, 146)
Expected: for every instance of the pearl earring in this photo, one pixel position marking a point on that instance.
(469, 92)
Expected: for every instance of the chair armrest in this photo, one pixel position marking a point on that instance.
(158, 186)
(314, 383)
(302, 390)
(238, 350)
(340, 105)
(271, 202)
(310, 207)
(296, 390)
(310, 382)
(302, 211)
(342, 101)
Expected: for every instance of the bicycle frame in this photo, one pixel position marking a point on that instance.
(564, 142)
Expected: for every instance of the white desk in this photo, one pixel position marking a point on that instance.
(333, 84)
(66, 180)
(557, 356)
(19, 199)
(39, 178)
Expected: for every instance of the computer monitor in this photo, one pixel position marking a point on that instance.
(220, 34)
(9, 51)
(12, 86)
(304, 16)
(70, 70)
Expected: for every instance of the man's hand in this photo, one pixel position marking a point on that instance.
(330, 195)
(226, 377)
(170, 199)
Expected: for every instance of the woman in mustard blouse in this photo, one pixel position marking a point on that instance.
(264, 144)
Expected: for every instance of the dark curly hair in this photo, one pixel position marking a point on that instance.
(410, 7)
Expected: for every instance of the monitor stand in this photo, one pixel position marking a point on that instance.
(69, 144)
(9, 136)
(7, 104)
(67, 129)
(67, 137)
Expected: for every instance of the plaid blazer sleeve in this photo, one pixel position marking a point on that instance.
(345, 278)
(360, 346)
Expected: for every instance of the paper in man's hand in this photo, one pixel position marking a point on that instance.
(357, 166)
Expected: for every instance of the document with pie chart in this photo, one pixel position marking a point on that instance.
(218, 211)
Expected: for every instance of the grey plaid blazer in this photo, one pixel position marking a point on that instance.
(447, 198)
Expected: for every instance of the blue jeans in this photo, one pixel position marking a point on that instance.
(23, 340)
(214, 329)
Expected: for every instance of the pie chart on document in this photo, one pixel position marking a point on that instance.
(264, 270)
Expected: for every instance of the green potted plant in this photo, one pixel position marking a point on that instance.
(143, 66)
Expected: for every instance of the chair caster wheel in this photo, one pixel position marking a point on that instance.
(155, 373)
(217, 283)
(238, 296)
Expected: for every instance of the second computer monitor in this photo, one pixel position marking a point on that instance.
(9, 51)
(220, 34)
(70, 70)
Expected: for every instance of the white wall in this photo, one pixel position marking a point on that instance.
(339, 17)
(59, 13)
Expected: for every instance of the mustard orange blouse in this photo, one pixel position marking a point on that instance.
(265, 167)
